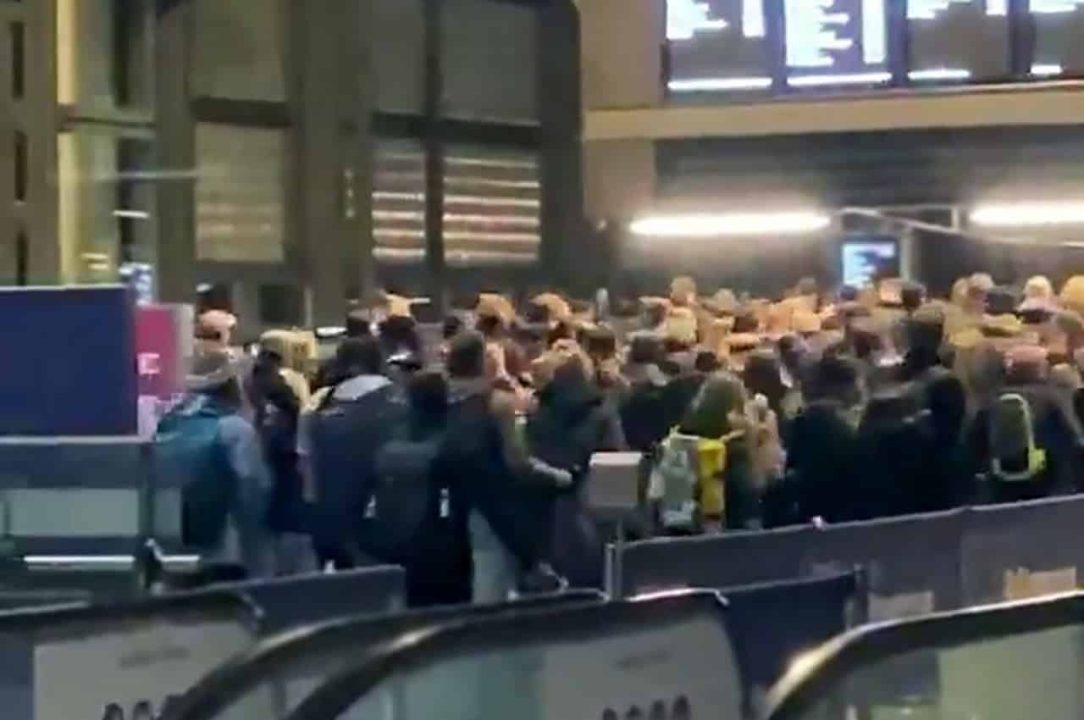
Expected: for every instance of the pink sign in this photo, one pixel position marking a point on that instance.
(158, 352)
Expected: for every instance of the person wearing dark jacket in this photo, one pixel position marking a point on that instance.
(276, 410)
(1054, 424)
(824, 473)
(572, 422)
(491, 475)
(337, 442)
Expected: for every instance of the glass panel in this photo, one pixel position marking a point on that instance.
(240, 214)
(399, 202)
(491, 206)
(398, 53)
(1032, 675)
(239, 48)
(490, 60)
(106, 202)
(105, 54)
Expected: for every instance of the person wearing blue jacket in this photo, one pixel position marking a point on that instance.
(207, 449)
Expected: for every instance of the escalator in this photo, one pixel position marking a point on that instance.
(1007, 662)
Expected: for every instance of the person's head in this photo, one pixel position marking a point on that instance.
(947, 400)
(706, 362)
(763, 375)
(358, 325)
(1026, 364)
(467, 356)
(835, 378)
(113, 711)
(712, 412)
(451, 326)
(217, 324)
(912, 295)
(1001, 301)
(1072, 294)
(214, 376)
(359, 356)
(600, 343)
(559, 331)
(427, 392)
(143, 711)
(645, 349)
(398, 334)
(1039, 287)
(491, 327)
(848, 294)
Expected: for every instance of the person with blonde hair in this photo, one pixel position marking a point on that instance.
(1072, 294)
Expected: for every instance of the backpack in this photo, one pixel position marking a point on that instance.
(346, 436)
(406, 499)
(1014, 456)
(189, 456)
(687, 481)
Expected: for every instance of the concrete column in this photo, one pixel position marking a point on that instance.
(176, 153)
(317, 68)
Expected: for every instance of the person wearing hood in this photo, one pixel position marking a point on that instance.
(492, 477)
(572, 422)
(644, 418)
(205, 446)
(338, 437)
(825, 474)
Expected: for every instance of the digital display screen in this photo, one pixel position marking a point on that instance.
(717, 45)
(1059, 37)
(736, 46)
(836, 42)
(864, 260)
(958, 40)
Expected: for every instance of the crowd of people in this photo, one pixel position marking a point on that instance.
(464, 457)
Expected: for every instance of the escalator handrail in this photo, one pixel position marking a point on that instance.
(458, 638)
(229, 682)
(816, 674)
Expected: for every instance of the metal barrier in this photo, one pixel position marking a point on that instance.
(914, 564)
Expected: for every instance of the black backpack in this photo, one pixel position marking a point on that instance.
(406, 500)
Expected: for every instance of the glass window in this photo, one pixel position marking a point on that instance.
(21, 170)
(104, 54)
(490, 60)
(106, 202)
(491, 206)
(17, 40)
(240, 184)
(399, 202)
(239, 50)
(398, 55)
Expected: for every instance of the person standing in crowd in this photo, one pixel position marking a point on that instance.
(276, 410)
(206, 447)
(730, 498)
(489, 470)
(337, 442)
(572, 422)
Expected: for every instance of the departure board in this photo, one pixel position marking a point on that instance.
(1059, 37)
(717, 45)
(836, 42)
(736, 46)
(958, 40)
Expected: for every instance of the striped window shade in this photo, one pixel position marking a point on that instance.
(491, 207)
(399, 202)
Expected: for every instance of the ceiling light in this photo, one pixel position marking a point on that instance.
(705, 225)
(1030, 214)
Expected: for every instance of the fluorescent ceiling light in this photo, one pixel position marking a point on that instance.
(935, 74)
(870, 78)
(1046, 70)
(705, 225)
(1029, 214)
(720, 83)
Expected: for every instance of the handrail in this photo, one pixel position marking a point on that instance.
(300, 647)
(499, 633)
(806, 682)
